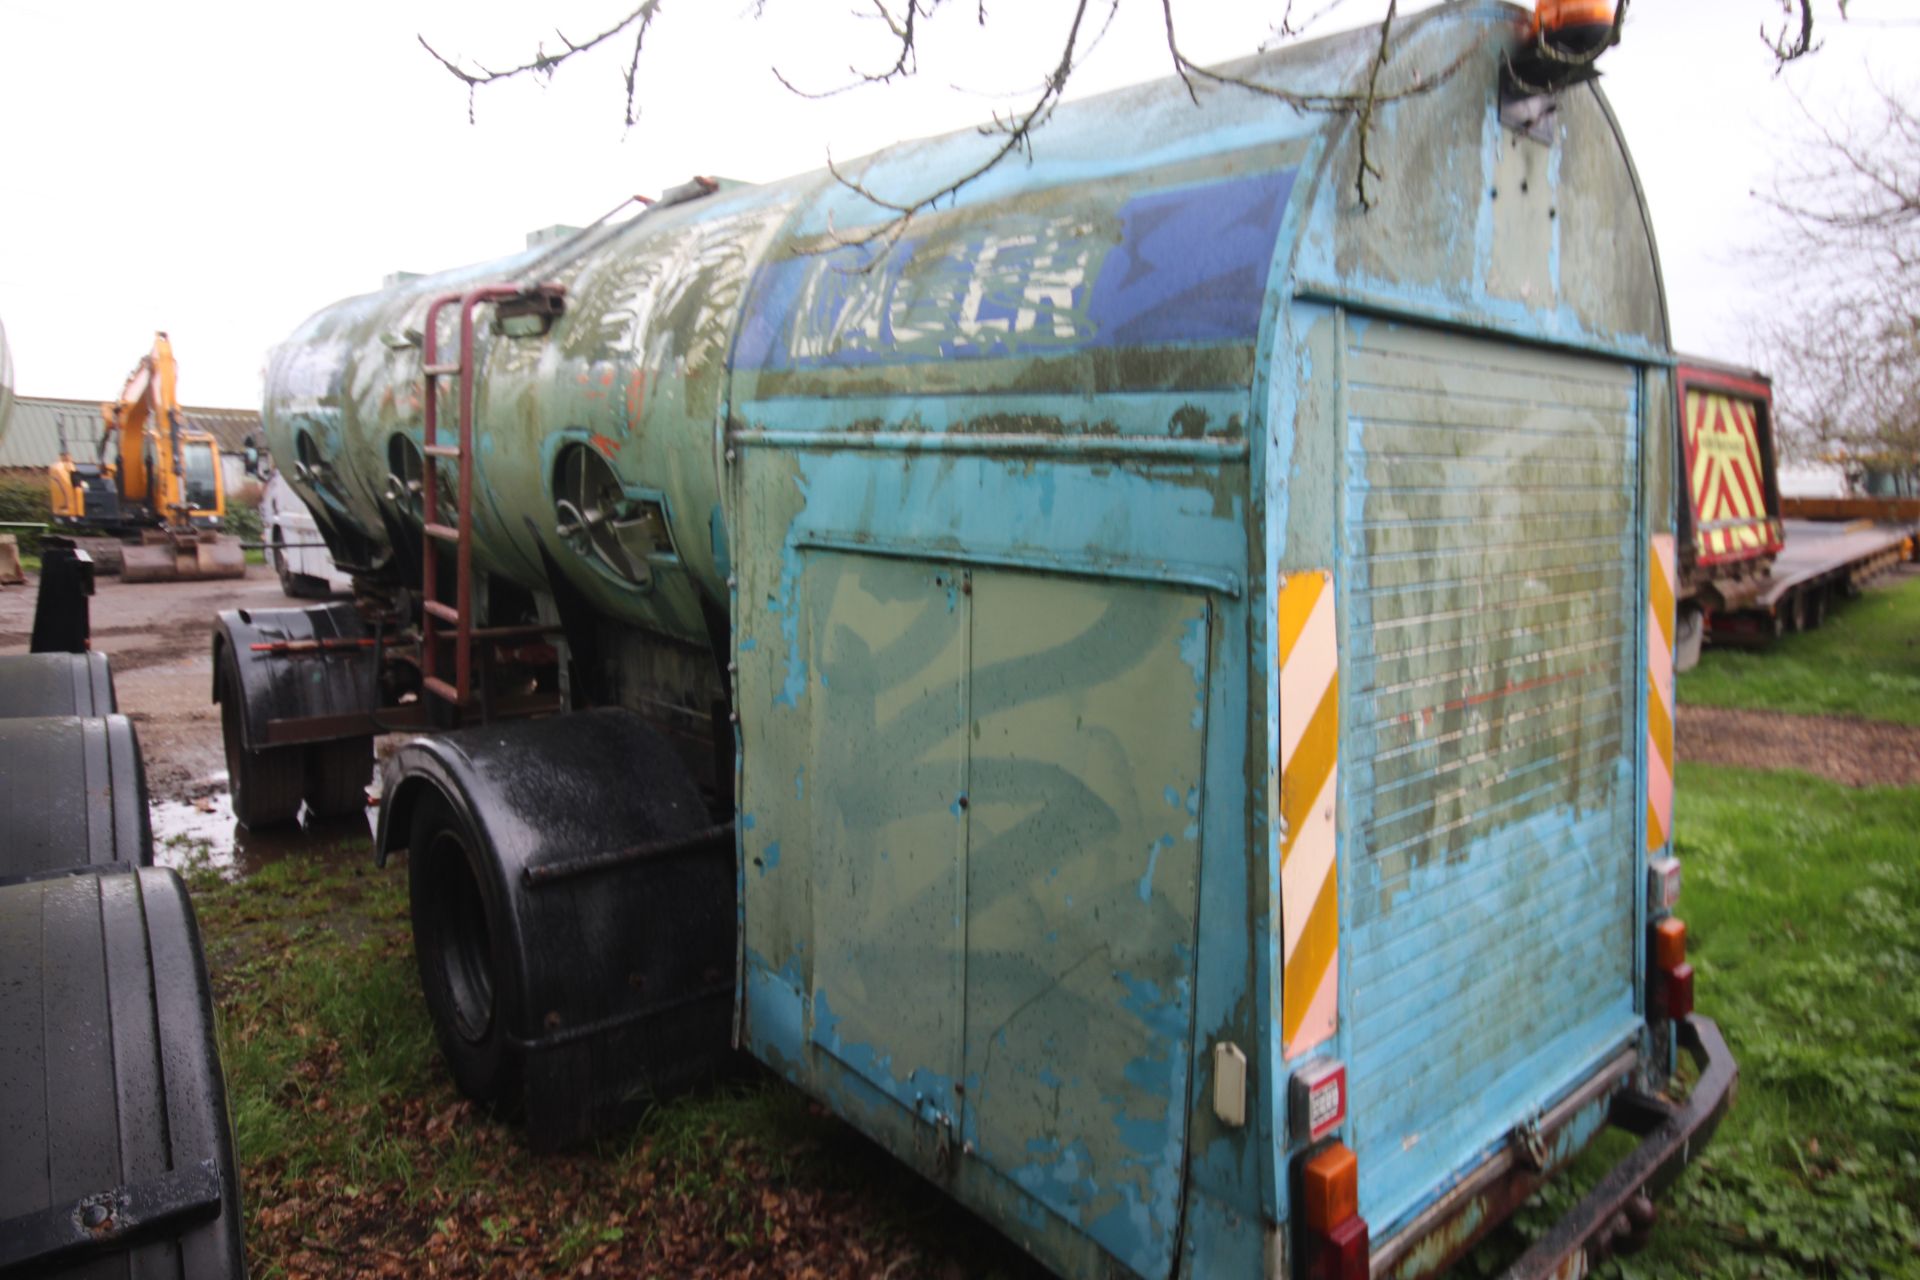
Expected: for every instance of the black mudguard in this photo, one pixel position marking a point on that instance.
(55, 684)
(116, 1159)
(73, 796)
(62, 621)
(312, 666)
(620, 891)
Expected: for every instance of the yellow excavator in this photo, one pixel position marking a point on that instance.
(157, 479)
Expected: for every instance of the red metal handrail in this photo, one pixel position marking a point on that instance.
(434, 615)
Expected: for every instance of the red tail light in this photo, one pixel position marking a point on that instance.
(1670, 977)
(1677, 990)
(1335, 1233)
(1342, 1254)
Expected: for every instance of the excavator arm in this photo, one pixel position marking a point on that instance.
(167, 478)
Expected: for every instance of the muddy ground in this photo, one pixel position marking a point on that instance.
(1859, 753)
(159, 636)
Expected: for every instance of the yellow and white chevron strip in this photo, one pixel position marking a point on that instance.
(1724, 473)
(1309, 667)
(1660, 624)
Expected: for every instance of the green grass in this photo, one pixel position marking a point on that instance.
(356, 1152)
(1802, 901)
(1865, 661)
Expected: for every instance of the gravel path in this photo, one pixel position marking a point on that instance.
(1859, 753)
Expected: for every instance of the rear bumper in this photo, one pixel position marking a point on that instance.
(1670, 1136)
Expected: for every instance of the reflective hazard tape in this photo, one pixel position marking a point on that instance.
(1309, 667)
(1660, 627)
(1724, 474)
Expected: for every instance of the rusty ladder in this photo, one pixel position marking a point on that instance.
(437, 616)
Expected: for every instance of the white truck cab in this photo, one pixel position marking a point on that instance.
(293, 540)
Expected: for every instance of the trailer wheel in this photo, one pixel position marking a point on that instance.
(119, 1158)
(459, 933)
(265, 785)
(1817, 609)
(337, 776)
(1797, 612)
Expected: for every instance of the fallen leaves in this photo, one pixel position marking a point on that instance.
(358, 1159)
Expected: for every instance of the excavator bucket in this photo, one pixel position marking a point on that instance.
(163, 557)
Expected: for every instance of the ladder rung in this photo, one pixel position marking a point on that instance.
(443, 451)
(446, 533)
(440, 370)
(445, 612)
(441, 689)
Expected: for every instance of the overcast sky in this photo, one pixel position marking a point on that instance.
(223, 168)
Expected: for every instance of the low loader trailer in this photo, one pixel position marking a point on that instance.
(1146, 689)
(1755, 565)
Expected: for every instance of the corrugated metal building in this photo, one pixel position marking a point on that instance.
(33, 439)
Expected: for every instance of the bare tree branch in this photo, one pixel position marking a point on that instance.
(544, 63)
(905, 25)
(906, 62)
(1285, 28)
(1365, 128)
(1016, 133)
(1363, 104)
(1801, 43)
(1846, 252)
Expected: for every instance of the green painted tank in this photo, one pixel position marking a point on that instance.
(614, 411)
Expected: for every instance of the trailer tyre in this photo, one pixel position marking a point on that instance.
(114, 1094)
(265, 785)
(459, 939)
(337, 776)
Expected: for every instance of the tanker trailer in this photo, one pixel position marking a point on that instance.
(1145, 689)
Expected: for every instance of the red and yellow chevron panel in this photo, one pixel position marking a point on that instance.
(1726, 479)
(1309, 666)
(1660, 625)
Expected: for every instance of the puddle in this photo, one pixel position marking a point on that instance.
(202, 833)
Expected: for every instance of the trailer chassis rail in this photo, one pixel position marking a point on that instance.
(1616, 1214)
(1670, 1136)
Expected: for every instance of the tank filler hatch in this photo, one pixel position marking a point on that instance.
(599, 519)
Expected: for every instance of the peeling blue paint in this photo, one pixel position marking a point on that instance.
(1109, 1161)
(1193, 651)
(789, 613)
(1153, 859)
